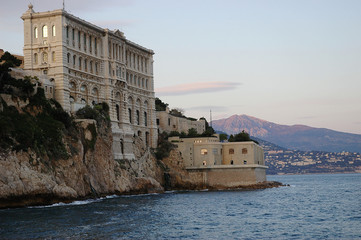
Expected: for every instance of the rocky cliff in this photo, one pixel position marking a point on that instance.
(30, 178)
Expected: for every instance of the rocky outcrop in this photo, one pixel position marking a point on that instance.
(26, 179)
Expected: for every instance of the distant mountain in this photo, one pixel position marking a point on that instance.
(297, 137)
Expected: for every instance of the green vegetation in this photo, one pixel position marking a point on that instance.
(42, 124)
(164, 146)
(160, 105)
(100, 113)
(241, 137)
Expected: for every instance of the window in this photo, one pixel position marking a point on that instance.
(96, 68)
(130, 115)
(72, 86)
(157, 121)
(231, 151)
(53, 56)
(204, 151)
(80, 63)
(67, 31)
(138, 117)
(45, 57)
(91, 66)
(83, 101)
(244, 150)
(117, 111)
(145, 119)
(73, 35)
(95, 46)
(45, 31)
(71, 99)
(147, 138)
(36, 32)
(68, 57)
(35, 58)
(74, 60)
(168, 121)
(231, 162)
(85, 65)
(53, 31)
(83, 88)
(244, 162)
(84, 41)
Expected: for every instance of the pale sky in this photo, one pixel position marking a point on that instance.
(284, 61)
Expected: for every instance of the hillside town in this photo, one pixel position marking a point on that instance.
(285, 161)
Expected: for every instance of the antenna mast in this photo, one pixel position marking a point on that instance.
(63, 4)
(210, 116)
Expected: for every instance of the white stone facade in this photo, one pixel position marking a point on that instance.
(89, 65)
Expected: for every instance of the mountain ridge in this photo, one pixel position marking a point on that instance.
(296, 137)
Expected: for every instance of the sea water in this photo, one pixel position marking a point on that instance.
(312, 207)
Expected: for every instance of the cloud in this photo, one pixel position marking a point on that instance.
(196, 88)
(207, 108)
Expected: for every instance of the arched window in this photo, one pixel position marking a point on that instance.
(36, 32)
(139, 133)
(35, 58)
(244, 150)
(72, 86)
(83, 88)
(53, 31)
(45, 31)
(71, 99)
(83, 101)
(45, 57)
(231, 151)
(204, 151)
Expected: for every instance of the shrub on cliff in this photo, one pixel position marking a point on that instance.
(40, 125)
(100, 113)
(164, 146)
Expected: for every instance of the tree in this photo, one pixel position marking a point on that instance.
(178, 112)
(192, 133)
(223, 136)
(160, 105)
(240, 137)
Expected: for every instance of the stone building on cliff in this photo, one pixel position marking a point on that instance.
(226, 164)
(86, 64)
(167, 122)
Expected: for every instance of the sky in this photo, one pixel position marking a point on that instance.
(285, 61)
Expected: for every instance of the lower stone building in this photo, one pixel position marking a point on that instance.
(227, 164)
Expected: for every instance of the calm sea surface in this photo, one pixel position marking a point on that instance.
(313, 207)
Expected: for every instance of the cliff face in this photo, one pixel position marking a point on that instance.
(27, 178)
